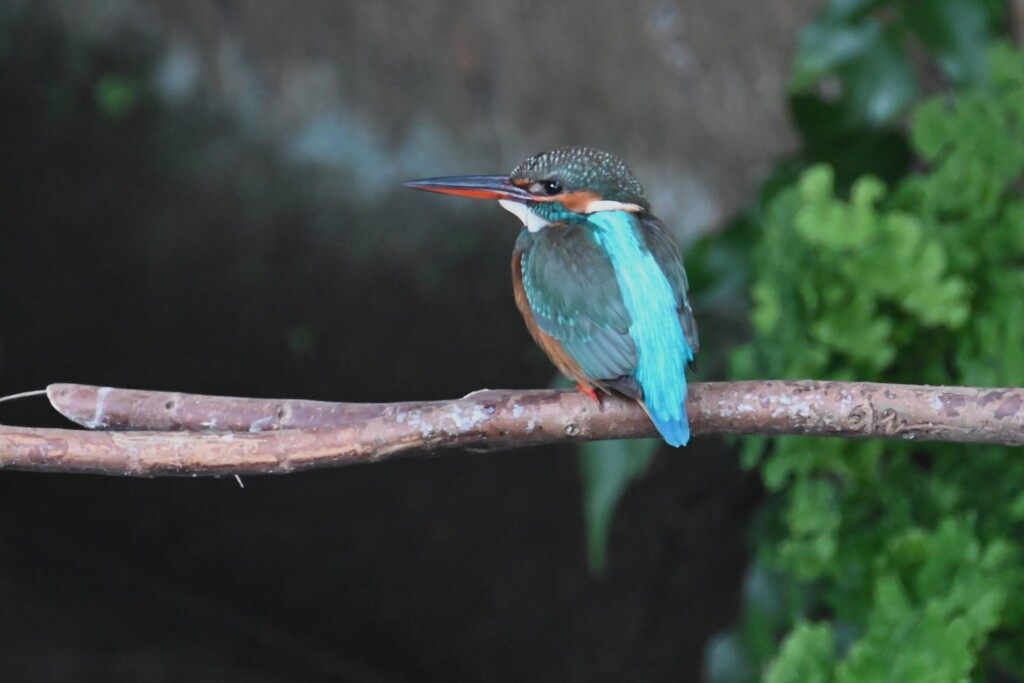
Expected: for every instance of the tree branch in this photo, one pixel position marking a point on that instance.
(225, 436)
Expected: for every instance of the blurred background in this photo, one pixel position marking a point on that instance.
(205, 196)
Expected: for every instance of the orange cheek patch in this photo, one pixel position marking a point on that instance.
(576, 202)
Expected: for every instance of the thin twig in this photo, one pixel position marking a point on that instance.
(24, 394)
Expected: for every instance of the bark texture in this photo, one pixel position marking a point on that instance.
(147, 433)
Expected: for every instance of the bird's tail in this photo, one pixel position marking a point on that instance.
(675, 429)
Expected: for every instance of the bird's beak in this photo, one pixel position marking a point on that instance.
(479, 186)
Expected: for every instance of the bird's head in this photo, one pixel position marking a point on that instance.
(565, 185)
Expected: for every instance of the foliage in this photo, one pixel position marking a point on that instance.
(856, 73)
(898, 561)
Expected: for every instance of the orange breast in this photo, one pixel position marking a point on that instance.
(551, 346)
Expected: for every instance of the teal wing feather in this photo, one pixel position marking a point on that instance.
(572, 290)
(648, 268)
(659, 242)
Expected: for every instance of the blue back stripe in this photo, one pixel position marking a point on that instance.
(662, 350)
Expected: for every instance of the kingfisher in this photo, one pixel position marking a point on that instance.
(597, 277)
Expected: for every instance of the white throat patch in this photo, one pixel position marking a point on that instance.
(608, 205)
(532, 221)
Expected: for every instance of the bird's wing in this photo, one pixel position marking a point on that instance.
(575, 298)
(659, 242)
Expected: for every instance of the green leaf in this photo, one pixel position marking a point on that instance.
(812, 518)
(879, 85)
(959, 32)
(931, 129)
(607, 468)
(768, 307)
(825, 46)
(807, 656)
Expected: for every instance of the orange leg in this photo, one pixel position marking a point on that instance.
(589, 391)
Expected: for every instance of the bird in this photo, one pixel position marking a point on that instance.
(597, 277)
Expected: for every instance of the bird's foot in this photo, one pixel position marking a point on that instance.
(591, 392)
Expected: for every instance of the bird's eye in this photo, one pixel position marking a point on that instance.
(547, 187)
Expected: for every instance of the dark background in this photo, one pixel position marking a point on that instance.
(205, 196)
